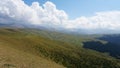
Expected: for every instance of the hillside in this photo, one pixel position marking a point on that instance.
(13, 58)
(45, 47)
(111, 47)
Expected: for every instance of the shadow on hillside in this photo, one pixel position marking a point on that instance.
(111, 38)
(112, 49)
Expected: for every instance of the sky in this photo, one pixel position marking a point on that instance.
(88, 16)
(77, 8)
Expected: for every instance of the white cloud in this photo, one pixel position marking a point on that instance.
(102, 20)
(19, 11)
(16, 11)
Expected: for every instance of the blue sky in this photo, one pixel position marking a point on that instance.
(77, 8)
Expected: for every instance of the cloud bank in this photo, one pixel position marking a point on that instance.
(47, 15)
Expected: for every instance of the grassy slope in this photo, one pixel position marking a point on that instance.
(53, 48)
(12, 58)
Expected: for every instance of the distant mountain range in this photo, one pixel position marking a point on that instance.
(59, 29)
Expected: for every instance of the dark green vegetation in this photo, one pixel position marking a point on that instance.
(63, 49)
(112, 45)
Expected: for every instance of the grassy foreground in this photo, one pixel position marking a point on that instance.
(36, 48)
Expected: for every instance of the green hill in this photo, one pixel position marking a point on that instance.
(32, 45)
(13, 58)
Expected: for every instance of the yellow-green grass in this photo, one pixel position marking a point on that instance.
(13, 58)
(36, 44)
